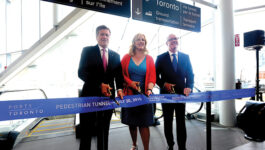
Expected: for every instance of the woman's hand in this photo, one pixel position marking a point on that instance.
(150, 87)
(135, 85)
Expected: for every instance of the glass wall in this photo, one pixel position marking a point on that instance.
(62, 60)
(244, 21)
(46, 11)
(23, 23)
(13, 26)
(37, 16)
(30, 23)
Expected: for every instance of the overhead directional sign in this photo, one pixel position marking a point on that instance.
(168, 12)
(114, 7)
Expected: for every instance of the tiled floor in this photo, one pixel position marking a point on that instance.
(222, 139)
(251, 146)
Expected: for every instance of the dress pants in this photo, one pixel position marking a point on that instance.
(168, 112)
(95, 124)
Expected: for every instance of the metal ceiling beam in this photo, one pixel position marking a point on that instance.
(205, 3)
(250, 8)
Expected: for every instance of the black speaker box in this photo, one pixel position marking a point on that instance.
(251, 119)
(254, 39)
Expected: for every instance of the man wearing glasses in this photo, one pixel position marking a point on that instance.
(174, 76)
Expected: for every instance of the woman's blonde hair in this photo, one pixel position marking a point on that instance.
(132, 47)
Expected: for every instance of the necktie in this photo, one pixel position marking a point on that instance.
(175, 62)
(104, 60)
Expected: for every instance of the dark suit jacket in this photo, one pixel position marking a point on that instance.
(91, 71)
(184, 76)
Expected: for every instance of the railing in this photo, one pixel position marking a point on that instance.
(189, 112)
(8, 91)
(11, 132)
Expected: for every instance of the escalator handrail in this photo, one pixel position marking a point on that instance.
(8, 91)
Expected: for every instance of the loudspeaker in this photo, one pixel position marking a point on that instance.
(254, 39)
(251, 119)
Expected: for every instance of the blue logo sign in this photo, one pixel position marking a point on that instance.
(168, 12)
(115, 7)
(19, 109)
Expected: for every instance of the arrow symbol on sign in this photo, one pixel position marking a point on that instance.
(138, 11)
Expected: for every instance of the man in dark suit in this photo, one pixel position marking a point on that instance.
(99, 67)
(174, 75)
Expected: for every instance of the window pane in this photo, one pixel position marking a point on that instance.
(63, 11)
(14, 26)
(14, 56)
(2, 62)
(245, 59)
(2, 27)
(30, 23)
(46, 14)
(239, 4)
(201, 54)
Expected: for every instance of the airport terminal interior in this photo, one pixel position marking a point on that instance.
(40, 48)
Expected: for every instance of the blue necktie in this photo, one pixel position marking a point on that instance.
(175, 62)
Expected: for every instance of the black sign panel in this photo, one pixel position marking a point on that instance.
(169, 13)
(114, 7)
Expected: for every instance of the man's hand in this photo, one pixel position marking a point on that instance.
(105, 90)
(187, 91)
(169, 87)
(120, 93)
(135, 85)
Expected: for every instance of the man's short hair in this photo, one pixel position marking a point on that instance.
(101, 27)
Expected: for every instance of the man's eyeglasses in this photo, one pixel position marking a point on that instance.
(172, 39)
